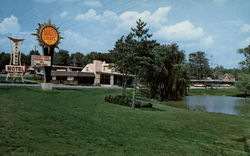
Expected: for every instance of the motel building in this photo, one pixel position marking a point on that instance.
(96, 73)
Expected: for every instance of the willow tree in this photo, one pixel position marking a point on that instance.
(168, 77)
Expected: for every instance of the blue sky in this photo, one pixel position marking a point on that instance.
(217, 27)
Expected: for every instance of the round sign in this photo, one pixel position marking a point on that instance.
(49, 36)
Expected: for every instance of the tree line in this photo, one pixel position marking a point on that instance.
(61, 57)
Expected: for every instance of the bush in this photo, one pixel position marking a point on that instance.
(124, 101)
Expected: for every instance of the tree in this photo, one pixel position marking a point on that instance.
(32, 52)
(4, 60)
(121, 54)
(140, 58)
(217, 71)
(168, 75)
(77, 59)
(61, 58)
(246, 53)
(243, 83)
(198, 65)
(89, 58)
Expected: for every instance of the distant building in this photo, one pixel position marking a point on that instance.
(227, 77)
(225, 80)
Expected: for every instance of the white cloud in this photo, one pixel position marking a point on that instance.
(180, 31)
(245, 28)
(128, 18)
(110, 15)
(90, 15)
(76, 41)
(9, 25)
(245, 43)
(63, 14)
(92, 3)
(219, 1)
(206, 42)
(155, 19)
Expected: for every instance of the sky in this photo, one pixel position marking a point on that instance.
(217, 27)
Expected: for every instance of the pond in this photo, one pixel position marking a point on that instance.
(221, 104)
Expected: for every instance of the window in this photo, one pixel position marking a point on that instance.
(105, 79)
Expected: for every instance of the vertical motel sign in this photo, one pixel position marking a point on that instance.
(49, 38)
(15, 69)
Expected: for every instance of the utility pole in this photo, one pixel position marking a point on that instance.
(35, 47)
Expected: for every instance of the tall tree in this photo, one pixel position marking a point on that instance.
(198, 65)
(168, 76)
(121, 54)
(61, 58)
(140, 58)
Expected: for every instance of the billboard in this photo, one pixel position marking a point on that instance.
(37, 60)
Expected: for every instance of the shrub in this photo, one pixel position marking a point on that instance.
(124, 101)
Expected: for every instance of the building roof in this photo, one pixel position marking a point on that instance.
(72, 73)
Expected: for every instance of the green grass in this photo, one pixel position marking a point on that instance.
(215, 92)
(79, 122)
(19, 80)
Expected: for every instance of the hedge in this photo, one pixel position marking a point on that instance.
(124, 101)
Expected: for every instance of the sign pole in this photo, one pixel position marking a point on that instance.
(47, 69)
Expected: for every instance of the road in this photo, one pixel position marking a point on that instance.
(56, 86)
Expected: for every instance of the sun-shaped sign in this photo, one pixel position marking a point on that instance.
(48, 35)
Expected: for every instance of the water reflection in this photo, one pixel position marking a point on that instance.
(221, 104)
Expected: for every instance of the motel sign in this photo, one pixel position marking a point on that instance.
(11, 68)
(37, 60)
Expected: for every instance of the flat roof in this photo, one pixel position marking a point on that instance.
(210, 81)
(72, 73)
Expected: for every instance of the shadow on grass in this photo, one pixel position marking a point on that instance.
(245, 141)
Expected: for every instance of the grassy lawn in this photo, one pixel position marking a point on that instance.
(79, 122)
(19, 80)
(215, 92)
